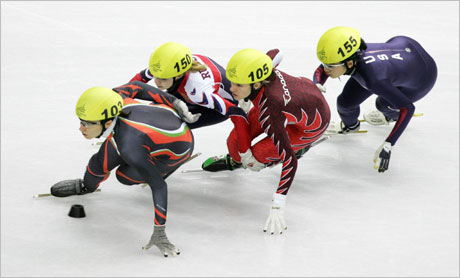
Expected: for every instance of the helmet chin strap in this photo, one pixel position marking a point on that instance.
(253, 94)
(176, 84)
(106, 131)
(352, 69)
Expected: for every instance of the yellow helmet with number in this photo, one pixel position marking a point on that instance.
(338, 44)
(248, 66)
(98, 103)
(170, 60)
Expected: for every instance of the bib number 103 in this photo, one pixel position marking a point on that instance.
(347, 46)
(113, 110)
(259, 73)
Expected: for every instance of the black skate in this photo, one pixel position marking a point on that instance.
(220, 163)
(301, 152)
(68, 188)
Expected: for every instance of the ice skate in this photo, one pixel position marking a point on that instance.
(301, 152)
(340, 128)
(220, 163)
(376, 117)
(68, 188)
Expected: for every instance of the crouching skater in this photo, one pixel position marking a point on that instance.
(147, 142)
(291, 111)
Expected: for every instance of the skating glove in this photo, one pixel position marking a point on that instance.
(382, 157)
(320, 77)
(183, 111)
(245, 105)
(276, 220)
(250, 162)
(160, 240)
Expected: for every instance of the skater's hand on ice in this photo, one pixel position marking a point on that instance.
(160, 240)
(382, 157)
(275, 221)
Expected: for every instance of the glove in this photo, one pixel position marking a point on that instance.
(160, 240)
(249, 161)
(320, 76)
(382, 157)
(245, 105)
(276, 219)
(183, 111)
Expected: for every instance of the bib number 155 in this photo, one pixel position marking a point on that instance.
(347, 46)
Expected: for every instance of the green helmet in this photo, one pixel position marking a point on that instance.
(338, 44)
(248, 66)
(98, 103)
(170, 60)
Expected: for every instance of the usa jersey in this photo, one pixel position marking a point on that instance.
(399, 72)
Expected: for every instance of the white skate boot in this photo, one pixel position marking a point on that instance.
(376, 117)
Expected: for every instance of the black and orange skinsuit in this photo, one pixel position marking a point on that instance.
(147, 142)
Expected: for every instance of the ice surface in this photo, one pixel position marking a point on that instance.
(344, 218)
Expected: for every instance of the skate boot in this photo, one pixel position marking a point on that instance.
(301, 152)
(68, 188)
(341, 128)
(376, 117)
(220, 163)
(349, 129)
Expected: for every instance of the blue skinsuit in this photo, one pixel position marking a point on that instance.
(399, 72)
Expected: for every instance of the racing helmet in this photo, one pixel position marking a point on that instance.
(98, 104)
(170, 60)
(248, 66)
(338, 44)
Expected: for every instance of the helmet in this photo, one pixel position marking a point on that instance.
(98, 104)
(338, 44)
(249, 66)
(170, 60)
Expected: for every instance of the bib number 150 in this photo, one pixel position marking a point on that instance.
(347, 46)
(184, 62)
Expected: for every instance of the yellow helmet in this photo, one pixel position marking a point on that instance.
(170, 60)
(338, 44)
(248, 66)
(98, 103)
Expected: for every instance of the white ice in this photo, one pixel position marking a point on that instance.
(344, 218)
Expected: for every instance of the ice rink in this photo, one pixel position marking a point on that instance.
(344, 219)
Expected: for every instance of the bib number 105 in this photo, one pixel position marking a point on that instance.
(348, 46)
(259, 73)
